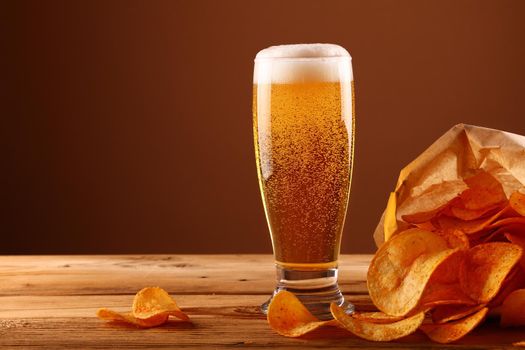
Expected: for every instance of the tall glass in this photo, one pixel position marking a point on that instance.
(303, 121)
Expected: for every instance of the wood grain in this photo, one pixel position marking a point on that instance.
(125, 274)
(50, 302)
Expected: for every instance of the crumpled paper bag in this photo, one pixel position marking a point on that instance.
(436, 176)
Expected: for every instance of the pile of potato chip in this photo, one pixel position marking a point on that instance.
(454, 266)
(152, 306)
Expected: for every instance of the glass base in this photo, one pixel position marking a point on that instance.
(316, 289)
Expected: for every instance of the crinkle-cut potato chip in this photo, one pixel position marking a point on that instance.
(484, 191)
(152, 307)
(289, 317)
(452, 331)
(401, 268)
(152, 301)
(110, 315)
(513, 309)
(377, 331)
(447, 313)
(485, 267)
(376, 317)
(517, 202)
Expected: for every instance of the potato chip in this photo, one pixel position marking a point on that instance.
(377, 331)
(518, 240)
(289, 317)
(455, 238)
(517, 202)
(500, 233)
(513, 309)
(443, 287)
(110, 315)
(152, 301)
(443, 294)
(427, 226)
(401, 268)
(484, 191)
(519, 343)
(447, 313)
(463, 213)
(152, 307)
(432, 199)
(376, 317)
(514, 229)
(496, 231)
(514, 280)
(452, 331)
(468, 227)
(512, 221)
(447, 272)
(485, 267)
(418, 218)
(496, 235)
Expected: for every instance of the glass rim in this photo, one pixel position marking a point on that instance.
(300, 59)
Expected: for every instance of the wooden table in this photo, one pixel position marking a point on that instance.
(50, 302)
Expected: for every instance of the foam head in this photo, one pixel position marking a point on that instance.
(302, 63)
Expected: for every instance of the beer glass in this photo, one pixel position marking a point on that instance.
(303, 122)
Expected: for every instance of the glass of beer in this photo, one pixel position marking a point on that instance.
(303, 122)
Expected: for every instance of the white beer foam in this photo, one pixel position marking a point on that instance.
(303, 51)
(302, 63)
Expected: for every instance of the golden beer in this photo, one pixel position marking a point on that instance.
(303, 145)
(303, 119)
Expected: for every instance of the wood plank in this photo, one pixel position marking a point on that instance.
(125, 274)
(219, 321)
(19, 307)
(213, 331)
(50, 302)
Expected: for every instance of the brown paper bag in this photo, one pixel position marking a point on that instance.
(436, 176)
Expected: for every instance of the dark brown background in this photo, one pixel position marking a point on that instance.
(126, 125)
